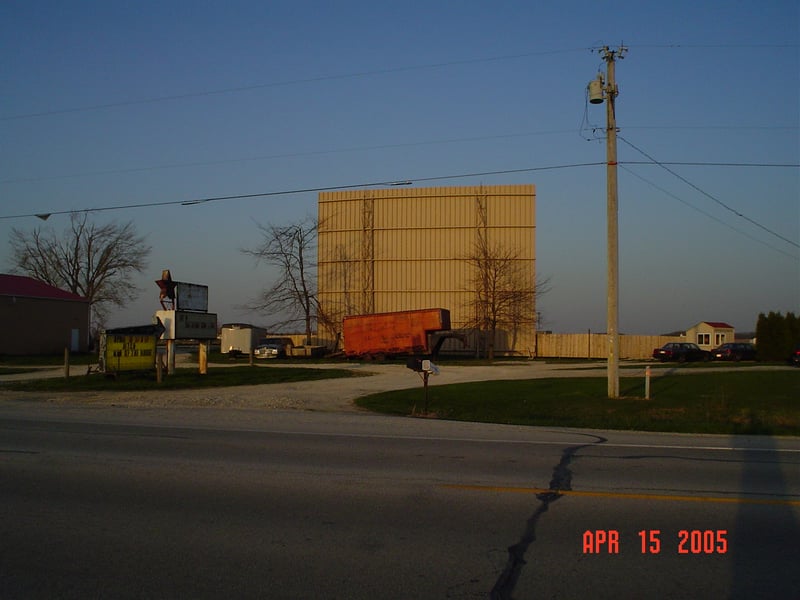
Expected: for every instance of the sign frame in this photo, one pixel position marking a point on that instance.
(188, 325)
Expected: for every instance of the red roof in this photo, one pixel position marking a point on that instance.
(27, 287)
(718, 324)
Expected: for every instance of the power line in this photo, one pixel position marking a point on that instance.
(717, 127)
(274, 84)
(702, 212)
(717, 46)
(190, 202)
(718, 201)
(278, 156)
(365, 149)
(45, 214)
(585, 127)
(357, 74)
(712, 164)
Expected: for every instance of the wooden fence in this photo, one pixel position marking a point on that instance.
(561, 345)
(595, 345)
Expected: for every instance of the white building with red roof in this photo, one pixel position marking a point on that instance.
(710, 334)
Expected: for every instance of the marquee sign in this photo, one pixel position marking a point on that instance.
(129, 348)
(179, 295)
(186, 325)
(191, 296)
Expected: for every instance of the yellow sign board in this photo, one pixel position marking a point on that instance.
(130, 352)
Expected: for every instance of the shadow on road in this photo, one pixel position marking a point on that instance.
(762, 570)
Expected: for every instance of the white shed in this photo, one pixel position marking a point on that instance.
(710, 334)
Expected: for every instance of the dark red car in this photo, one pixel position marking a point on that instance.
(680, 352)
(794, 358)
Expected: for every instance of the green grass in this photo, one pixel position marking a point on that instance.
(182, 379)
(44, 360)
(742, 401)
(736, 402)
(15, 370)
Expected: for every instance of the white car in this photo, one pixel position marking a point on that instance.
(272, 348)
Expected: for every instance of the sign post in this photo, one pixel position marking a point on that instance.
(202, 358)
(185, 317)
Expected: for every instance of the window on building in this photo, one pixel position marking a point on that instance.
(703, 339)
(719, 338)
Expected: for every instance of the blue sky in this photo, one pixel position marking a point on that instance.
(107, 104)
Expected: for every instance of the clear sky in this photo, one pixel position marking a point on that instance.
(108, 103)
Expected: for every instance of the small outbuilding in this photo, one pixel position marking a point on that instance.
(710, 334)
(38, 318)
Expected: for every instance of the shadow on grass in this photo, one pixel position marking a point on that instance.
(181, 379)
(744, 402)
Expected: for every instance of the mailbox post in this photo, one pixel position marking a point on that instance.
(424, 367)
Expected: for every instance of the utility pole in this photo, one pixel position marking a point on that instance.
(599, 90)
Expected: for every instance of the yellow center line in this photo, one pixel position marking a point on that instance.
(622, 495)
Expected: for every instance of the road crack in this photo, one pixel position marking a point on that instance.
(561, 481)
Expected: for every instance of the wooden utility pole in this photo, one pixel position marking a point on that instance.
(610, 92)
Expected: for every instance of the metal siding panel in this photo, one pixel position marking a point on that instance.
(421, 238)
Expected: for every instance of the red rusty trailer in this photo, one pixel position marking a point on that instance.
(404, 332)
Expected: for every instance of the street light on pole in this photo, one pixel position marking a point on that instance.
(607, 90)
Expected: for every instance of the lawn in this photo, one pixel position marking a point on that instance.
(742, 401)
(186, 378)
(737, 402)
(16, 370)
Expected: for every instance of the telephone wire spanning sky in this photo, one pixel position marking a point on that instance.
(169, 108)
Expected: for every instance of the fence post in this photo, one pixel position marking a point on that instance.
(202, 358)
(170, 357)
(66, 362)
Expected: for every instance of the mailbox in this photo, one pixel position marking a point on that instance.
(422, 365)
(414, 363)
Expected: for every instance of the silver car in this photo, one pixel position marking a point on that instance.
(272, 348)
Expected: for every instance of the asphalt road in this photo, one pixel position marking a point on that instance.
(110, 502)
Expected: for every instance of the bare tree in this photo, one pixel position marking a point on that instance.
(293, 295)
(337, 272)
(93, 261)
(504, 292)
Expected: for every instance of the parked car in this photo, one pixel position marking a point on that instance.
(734, 351)
(272, 348)
(794, 357)
(681, 352)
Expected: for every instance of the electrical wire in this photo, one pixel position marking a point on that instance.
(713, 164)
(45, 214)
(713, 46)
(373, 148)
(707, 195)
(702, 212)
(279, 156)
(274, 84)
(358, 74)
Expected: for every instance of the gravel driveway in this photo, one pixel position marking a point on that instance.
(321, 395)
(326, 394)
